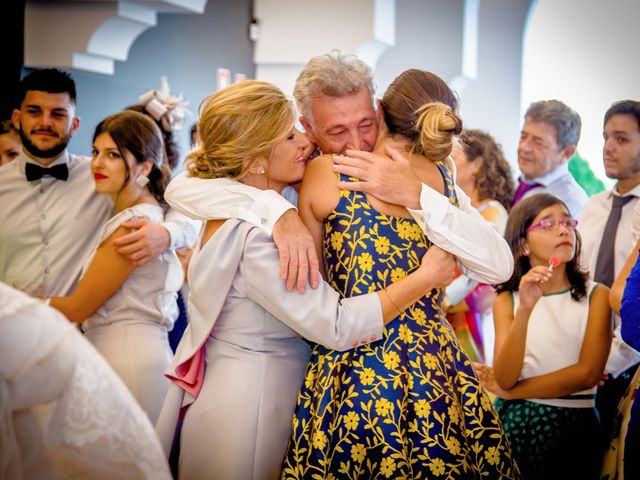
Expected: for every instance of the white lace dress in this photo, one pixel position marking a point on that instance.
(64, 412)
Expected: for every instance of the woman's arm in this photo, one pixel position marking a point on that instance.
(106, 274)
(591, 362)
(319, 195)
(320, 315)
(617, 289)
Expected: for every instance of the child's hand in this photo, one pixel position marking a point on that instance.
(488, 380)
(532, 285)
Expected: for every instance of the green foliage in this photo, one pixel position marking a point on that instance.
(583, 174)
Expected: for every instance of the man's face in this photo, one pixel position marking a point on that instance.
(621, 152)
(342, 123)
(46, 122)
(538, 150)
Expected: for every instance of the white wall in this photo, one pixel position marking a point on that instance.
(586, 55)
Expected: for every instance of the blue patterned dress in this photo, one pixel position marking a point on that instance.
(407, 406)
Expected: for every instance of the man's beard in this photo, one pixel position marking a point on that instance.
(49, 153)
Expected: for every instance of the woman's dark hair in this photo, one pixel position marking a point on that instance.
(494, 179)
(520, 218)
(421, 107)
(139, 135)
(170, 145)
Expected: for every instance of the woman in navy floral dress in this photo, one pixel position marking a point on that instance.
(409, 405)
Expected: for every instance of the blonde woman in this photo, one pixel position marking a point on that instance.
(245, 326)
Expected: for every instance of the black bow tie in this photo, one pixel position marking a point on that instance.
(36, 172)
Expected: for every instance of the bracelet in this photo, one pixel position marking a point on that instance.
(392, 302)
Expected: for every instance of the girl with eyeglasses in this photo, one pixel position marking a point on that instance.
(553, 333)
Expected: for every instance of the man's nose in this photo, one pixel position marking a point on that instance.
(355, 141)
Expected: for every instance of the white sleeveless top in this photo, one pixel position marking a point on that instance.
(554, 338)
(148, 295)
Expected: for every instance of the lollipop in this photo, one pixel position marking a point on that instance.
(553, 263)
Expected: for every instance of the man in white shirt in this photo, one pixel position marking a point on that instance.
(621, 157)
(51, 213)
(334, 94)
(547, 141)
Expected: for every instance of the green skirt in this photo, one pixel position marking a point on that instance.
(552, 442)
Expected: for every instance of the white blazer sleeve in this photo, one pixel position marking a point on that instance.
(483, 254)
(317, 315)
(221, 198)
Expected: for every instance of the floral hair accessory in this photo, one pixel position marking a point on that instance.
(165, 108)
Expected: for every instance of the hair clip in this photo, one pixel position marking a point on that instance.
(165, 108)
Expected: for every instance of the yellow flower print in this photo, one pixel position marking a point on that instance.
(319, 439)
(365, 261)
(492, 454)
(387, 466)
(358, 452)
(485, 403)
(437, 466)
(430, 361)
(453, 445)
(383, 407)
(382, 245)
(420, 317)
(367, 375)
(454, 414)
(391, 360)
(309, 379)
(351, 420)
(405, 230)
(422, 408)
(416, 231)
(405, 334)
(336, 241)
(396, 273)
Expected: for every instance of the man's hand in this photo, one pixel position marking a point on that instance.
(390, 179)
(297, 252)
(146, 242)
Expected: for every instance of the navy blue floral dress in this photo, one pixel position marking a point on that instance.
(407, 406)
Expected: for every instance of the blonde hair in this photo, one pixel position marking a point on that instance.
(421, 107)
(331, 75)
(236, 125)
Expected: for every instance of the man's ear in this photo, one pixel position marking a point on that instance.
(75, 124)
(379, 112)
(308, 129)
(568, 151)
(15, 118)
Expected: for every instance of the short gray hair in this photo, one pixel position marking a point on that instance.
(564, 119)
(331, 75)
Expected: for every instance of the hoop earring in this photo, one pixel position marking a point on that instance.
(142, 180)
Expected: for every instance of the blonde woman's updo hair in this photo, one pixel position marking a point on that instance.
(419, 106)
(236, 125)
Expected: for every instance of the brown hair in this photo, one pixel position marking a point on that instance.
(139, 135)
(495, 179)
(520, 218)
(421, 107)
(238, 124)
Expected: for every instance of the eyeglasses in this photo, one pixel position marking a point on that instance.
(550, 224)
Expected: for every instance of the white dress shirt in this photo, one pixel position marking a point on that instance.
(591, 227)
(483, 253)
(560, 183)
(48, 227)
